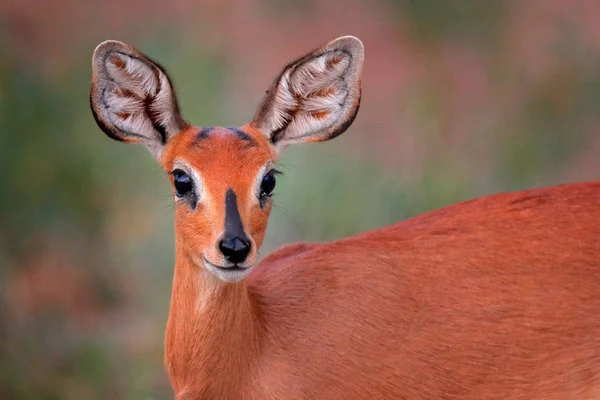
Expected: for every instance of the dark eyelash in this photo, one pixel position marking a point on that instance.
(274, 171)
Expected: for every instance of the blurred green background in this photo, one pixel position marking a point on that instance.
(460, 99)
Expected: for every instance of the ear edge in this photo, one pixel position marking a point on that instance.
(101, 53)
(96, 96)
(109, 46)
(344, 125)
(350, 43)
(111, 133)
(354, 49)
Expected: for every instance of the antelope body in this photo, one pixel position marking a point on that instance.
(494, 298)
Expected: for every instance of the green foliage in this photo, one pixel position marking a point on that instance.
(466, 20)
(326, 197)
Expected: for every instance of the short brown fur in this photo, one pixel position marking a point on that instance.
(493, 298)
(481, 300)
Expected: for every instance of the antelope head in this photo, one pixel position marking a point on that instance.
(223, 178)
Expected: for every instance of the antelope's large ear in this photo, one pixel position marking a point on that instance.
(132, 97)
(316, 97)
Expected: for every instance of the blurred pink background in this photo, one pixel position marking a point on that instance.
(460, 99)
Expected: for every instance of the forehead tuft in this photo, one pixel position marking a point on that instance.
(221, 149)
(208, 132)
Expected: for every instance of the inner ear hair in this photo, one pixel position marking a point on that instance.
(132, 97)
(315, 97)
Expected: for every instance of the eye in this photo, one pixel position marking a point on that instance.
(183, 183)
(268, 184)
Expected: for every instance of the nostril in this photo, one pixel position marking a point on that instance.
(235, 249)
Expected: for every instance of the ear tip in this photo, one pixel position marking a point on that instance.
(107, 46)
(350, 39)
(351, 43)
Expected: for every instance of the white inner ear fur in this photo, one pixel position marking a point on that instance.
(138, 97)
(311, 97)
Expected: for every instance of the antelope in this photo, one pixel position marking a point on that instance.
(492, 298)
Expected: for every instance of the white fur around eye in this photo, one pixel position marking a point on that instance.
(198, 182)
(256, 189)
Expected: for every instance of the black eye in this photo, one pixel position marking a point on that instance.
(183, 183)
(267, 185)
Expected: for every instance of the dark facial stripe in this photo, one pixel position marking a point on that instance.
(205, 131)
(241, 134)
(233, 222)
(203, 134)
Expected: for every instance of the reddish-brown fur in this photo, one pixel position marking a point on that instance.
(493, 298)
(225, 162)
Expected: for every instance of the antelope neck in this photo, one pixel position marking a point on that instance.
(209, 320)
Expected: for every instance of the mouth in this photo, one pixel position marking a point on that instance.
(232, 274)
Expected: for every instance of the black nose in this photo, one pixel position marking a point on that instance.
(235, 249)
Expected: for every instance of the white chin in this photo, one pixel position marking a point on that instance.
(230, 275)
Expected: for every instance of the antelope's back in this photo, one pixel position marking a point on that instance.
(497, 297)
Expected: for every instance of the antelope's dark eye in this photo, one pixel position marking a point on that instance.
(183, 183)
(268, 184)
